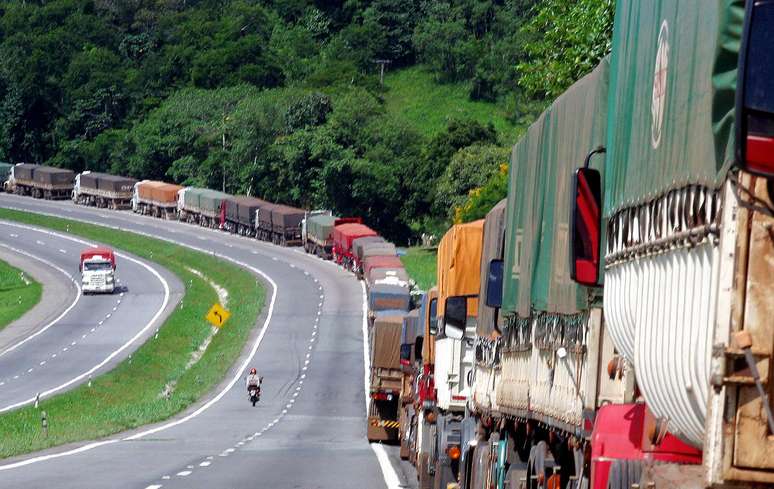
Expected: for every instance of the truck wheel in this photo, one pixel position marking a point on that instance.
(624, 473)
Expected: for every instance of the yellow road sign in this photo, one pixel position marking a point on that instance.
(217, 315)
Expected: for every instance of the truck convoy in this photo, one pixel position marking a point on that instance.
(103, 190)
(98, 270)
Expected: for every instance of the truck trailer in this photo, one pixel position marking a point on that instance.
(238, 214)
(200, 206)
(41, 182)
(157, 199)
(103, 190)
(385, 376)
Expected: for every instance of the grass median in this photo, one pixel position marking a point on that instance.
(18, 294)
(420, 264)
(158, 380)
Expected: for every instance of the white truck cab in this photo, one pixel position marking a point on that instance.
(98, 271)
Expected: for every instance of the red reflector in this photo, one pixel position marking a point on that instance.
(405, 363)
(760, 154)
(381, 396)
(458, 398)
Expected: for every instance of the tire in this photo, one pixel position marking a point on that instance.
(624, 473)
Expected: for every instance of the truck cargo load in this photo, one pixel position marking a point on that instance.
(388, 296)
(359, 243)
(493, 249)
(373, 262)
(24, 171)
(395, 276)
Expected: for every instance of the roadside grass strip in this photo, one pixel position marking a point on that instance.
(18, 294)
(420, 264)
(128, 396)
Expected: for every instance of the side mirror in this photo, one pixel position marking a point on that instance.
(455, 316)
(494, 284)
(433, 317)
(755, 91)
(586, 225)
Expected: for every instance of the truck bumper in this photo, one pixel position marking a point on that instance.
(98, 289)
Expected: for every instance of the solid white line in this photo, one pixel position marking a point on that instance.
(114, 353)
(391, 478)
(56, 319)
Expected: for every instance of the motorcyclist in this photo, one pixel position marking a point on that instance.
(253, 379)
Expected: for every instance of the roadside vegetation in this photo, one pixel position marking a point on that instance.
(158, 380)
(420, 264)
(282, 99)
(18, 294)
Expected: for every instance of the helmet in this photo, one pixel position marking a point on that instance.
(252, 371)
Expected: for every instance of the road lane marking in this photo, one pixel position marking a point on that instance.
(155, 486)
(206, 463)
(62, 251)
(39, 242)
(184, 473)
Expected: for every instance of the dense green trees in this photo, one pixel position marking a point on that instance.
(280, 98)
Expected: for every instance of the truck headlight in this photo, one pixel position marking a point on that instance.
(109, 279)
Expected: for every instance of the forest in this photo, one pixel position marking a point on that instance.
(282, 99)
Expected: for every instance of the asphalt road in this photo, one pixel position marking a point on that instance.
(308, 431)
(91, 331)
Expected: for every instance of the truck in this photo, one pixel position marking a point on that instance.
(155, 198)
(98, 270)
(368, 246)
(343, 236)
(410, 363)
(456, 306)
(385, 376)
(285, 226)
(200, 206)
(41, 182)
(238, 214)
(425, 398)
(103, 190)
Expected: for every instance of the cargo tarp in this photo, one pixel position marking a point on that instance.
(320, 227)
(210, 202)
(344, 234)
(408, 335)
(494, 239)
(48, 175)
(536, 272)
(372, 262)
(459, 264)
(672, 89)
(395, 276)
(385, 341)
(284, 217)
(382, 297)
(24, 171)
(383, 248)
(106, 182)
(265, 210)
(242, 209)
(360, 243)
(428, 346)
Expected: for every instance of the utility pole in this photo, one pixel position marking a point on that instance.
(382, 63)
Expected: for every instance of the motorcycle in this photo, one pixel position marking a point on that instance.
(254, 393)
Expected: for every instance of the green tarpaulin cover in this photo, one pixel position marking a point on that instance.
(672, 83)
(537, 274)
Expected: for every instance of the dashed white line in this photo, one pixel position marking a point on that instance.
(29, 370)
(183, 473)
(62, 251)
(206, 463)
(154, 486)
(41, 243)
(42, 363)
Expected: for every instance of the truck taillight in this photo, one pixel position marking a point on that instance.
(381, 396)
(760, 154)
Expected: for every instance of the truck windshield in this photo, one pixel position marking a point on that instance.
(97, 266)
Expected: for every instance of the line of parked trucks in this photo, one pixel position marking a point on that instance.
(609, 323)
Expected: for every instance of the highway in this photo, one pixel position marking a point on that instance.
(91, 333)
(308, 429)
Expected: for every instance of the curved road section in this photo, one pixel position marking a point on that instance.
(308, 430)
(92, 333)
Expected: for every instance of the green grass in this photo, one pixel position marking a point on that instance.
(420, 264)
(18, 294)
(129, 395)
(413, 94)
